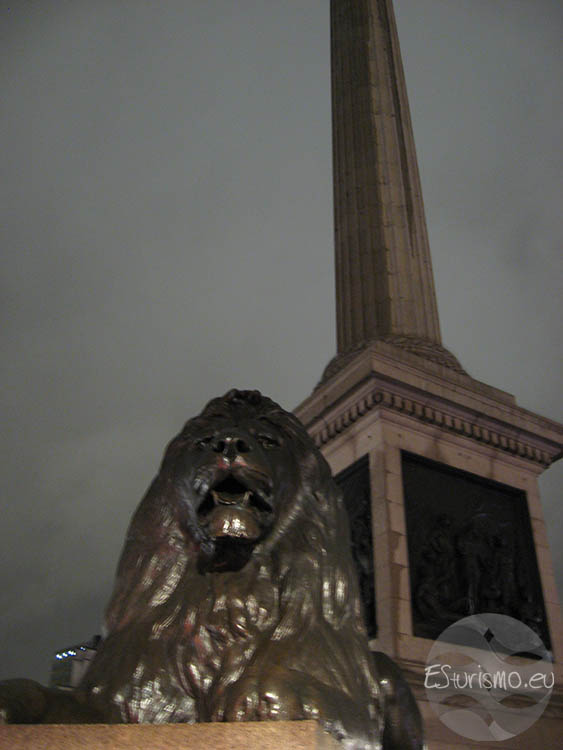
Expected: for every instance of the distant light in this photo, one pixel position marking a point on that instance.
(82, 648)
(58, 656)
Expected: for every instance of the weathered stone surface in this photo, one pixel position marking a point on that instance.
(384, 282)
(270, 735)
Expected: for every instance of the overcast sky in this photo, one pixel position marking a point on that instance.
(167, 234)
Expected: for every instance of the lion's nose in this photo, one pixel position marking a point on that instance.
(231, 445)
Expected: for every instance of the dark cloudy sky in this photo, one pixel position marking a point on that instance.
(167, 234)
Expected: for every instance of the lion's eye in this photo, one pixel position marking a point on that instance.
(268, 441)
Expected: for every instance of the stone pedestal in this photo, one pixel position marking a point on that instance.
(273, 735)
(386, 403)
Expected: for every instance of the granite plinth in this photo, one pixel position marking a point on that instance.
(273, 735)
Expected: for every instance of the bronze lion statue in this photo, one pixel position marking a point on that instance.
(236, 597)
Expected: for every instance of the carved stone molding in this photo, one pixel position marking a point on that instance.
(432, 415)
(424, 348)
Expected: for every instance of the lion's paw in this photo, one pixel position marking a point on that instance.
(266, 698)
(21, 702)
(284, 694)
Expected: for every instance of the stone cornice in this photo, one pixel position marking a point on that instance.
(470, 427)
(466, 408)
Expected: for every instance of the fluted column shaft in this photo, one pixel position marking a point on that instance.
(384, 281)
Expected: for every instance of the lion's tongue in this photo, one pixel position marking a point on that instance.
(233, 522)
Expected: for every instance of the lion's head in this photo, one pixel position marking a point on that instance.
(232, 484)
(237, 470)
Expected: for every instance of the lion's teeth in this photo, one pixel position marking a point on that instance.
(227, 498)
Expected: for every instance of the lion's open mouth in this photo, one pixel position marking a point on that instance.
(233, 509)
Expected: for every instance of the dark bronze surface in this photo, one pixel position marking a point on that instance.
(354, 482)
(470, 549)
(236, 598)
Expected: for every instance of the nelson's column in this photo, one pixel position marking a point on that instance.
(439, 471)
